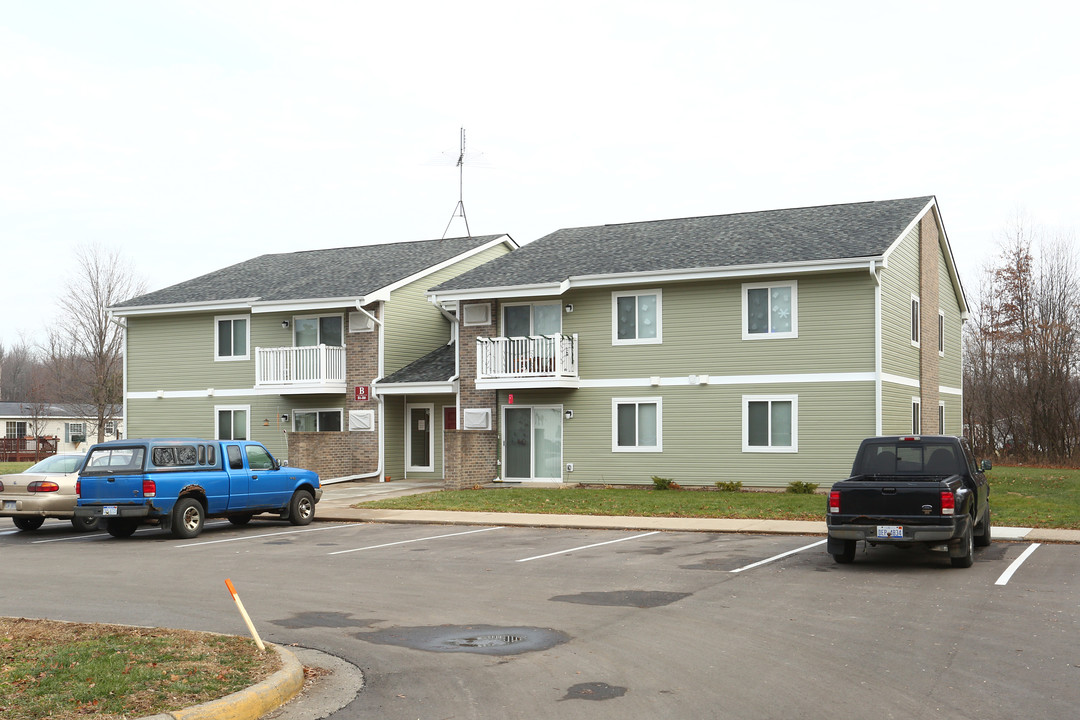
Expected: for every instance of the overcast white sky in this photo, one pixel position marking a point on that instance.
(196, 134)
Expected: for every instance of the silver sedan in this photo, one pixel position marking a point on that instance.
(44, 490)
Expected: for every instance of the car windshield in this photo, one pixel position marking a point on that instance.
(57, 464)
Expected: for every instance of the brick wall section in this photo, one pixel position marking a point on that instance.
(472, 455)
(929, 360)
(346, 453)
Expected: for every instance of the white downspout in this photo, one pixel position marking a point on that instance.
(878, 403)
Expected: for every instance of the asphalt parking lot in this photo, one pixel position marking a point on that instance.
(509, 622)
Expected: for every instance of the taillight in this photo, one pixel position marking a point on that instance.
(42, 486)
(149, 488)
(78, 488)
(834, 501)
(948, 503)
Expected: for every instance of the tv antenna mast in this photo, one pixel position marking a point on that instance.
(461, 190)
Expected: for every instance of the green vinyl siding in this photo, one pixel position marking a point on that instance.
(413, 326)
(950, 368)
(702, 434)
(898, 282)
(896, 408)
(702, 331)
(394, 437)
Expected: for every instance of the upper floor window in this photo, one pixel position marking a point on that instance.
(231, 338)
(941, 333)
(916, 321)
(770, 310)
(323, 330)
(636, 317)
(528, 319)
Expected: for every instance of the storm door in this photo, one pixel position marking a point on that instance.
(419, 440)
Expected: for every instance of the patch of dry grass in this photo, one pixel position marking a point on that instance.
(67, 671)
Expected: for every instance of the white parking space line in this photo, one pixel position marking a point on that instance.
(83, 537)
(406, 542)
(766, 561)
(265, 535)
(1007, 575)
(586, 547)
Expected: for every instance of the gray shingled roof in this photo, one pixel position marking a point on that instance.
(336, 273)
(438, 366)
(827, 232)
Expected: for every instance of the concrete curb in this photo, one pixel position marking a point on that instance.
(250, 703)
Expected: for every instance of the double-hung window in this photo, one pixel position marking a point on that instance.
(637, 424)
(231, 338)
(770, 423)
(770, 310)
(636, 318)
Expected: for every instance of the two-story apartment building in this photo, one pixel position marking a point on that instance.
(287, 349)
(757, 347)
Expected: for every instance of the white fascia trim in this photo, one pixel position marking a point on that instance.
(309, 304)
(205, 392)
(502, 239)
(224, 305)
(684, 380)
(900, 380)
(431, 388)
(590, 281)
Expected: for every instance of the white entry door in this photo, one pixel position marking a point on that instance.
(532, 443)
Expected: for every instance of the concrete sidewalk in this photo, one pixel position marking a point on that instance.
(338, 501)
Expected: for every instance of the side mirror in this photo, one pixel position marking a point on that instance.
(987, 466)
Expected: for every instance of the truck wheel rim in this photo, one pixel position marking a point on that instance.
(191, 518)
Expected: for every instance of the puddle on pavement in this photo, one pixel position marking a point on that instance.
(624, 598)
(594, 691)
(481, 639)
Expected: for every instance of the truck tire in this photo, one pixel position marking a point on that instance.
(968, 547)
(983, 538)
(84, 524)
(301, 508)
(121, 528)
(847, 555)
(187, 518)
(28, 523)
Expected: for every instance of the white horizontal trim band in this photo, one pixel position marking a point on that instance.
(685, 380)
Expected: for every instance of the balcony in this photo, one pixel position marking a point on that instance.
(538, 361)
(300, 370)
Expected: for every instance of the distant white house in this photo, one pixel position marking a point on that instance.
(24, 423)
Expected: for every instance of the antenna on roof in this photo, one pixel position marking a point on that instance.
(461, 190)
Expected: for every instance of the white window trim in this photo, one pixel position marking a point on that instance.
(233, 408)
(615, 339)
(916, 416)
(409, 467)
(615, 403)
(247, 340)
(316, 411)
(941, 333)
(747, 447)
(532, 317)
(916, 320)
(941, 417)
(744, 320)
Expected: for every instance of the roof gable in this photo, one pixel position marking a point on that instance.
(790, 236)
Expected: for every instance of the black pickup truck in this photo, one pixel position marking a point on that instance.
(905, 491)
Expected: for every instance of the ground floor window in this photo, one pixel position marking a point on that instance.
(232, 422)
(532, 443)
(15, 429)
(317, 420)
(916, 416)
(770, 423)
(636, 425)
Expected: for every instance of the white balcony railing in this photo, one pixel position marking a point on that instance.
(537, 356)
(301, 369)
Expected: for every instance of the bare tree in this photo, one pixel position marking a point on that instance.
(16, 369)
(87, 334)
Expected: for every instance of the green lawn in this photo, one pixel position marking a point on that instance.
(1026, 497)
(7, 468)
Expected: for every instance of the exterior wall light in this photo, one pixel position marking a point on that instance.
(284, 417)
(284, 324)
(569, 414)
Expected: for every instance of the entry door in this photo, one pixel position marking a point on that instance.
(419, 442)
(532, 443)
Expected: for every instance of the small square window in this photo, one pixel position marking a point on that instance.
(770, 310)
(637, 425)
(231, 338)
(770, 423)
(636, 318)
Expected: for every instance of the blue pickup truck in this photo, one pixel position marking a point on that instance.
(179, 482)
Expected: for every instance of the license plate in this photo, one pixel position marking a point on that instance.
(9, 504)
(890, 531)
(108, 510)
